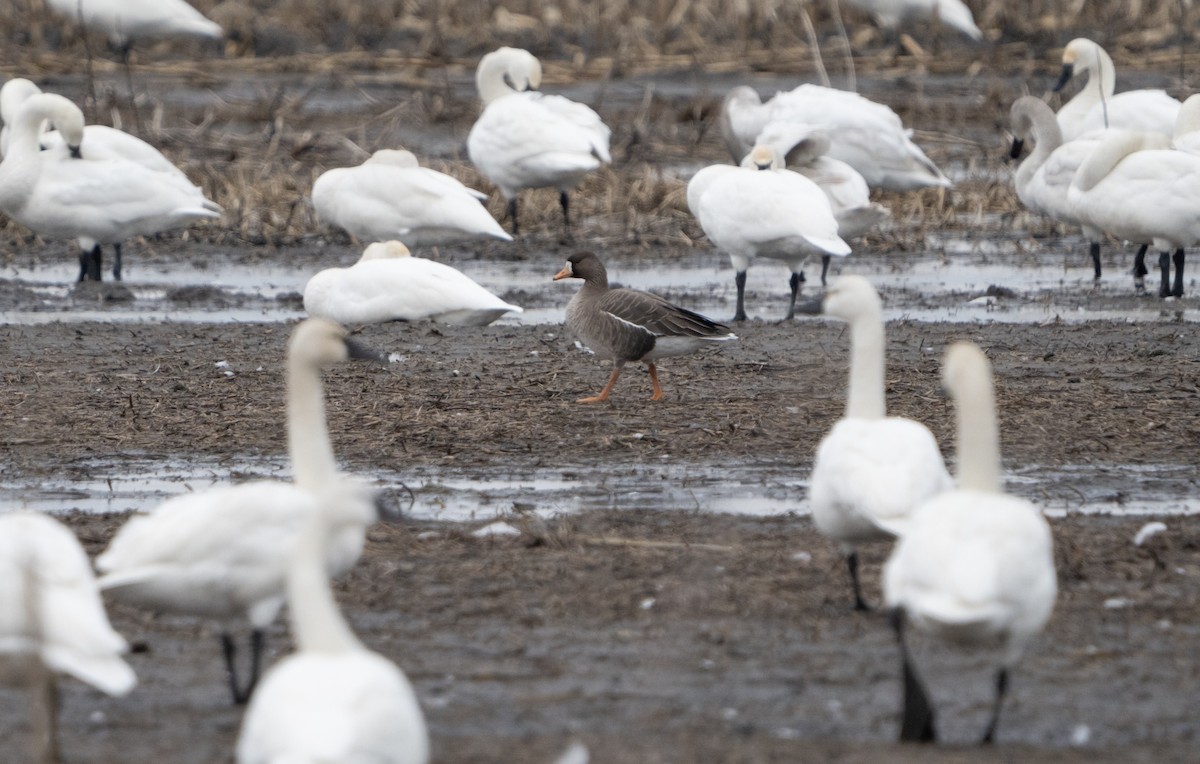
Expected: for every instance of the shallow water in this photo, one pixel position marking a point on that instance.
(139, 484)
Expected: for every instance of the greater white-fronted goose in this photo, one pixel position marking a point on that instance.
(630, 325)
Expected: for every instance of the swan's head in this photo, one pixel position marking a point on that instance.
(1080, 55)
(385, 250)
(319, 342)
(851, 297)
(505, 71)
(394, 158)
(60, 112)
(1033, 119)
(965, 368)
(762, 157)
(14, 93)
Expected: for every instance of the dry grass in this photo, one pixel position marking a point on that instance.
(261, 173)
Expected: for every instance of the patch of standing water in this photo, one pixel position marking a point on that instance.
(462, 495)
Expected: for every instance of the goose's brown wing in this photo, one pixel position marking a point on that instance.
(659, 317)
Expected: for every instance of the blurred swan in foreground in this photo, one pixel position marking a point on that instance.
(223, 553)
(51, 618)
(390, 196)
(625, 325)
(332, 700)
(526, 139)
(975, 566)
(1096, 107)
(764, 210)
(99, 143)
(389, 284)
(871, 470)
(866, 135)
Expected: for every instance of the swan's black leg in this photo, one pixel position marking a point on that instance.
(852, 564)
(794, 283)
(824, 267)
(739, 280)
(1095, 252)
(989, 735)
(565, 202)
(1177, 289)
(917, 721)
(1139, 268)
(1164, 267)
(95, 261)
(512, 214)
(117, 261)
(230, 651)
(85, 257)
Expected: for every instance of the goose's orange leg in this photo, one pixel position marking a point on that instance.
(654, 381)
(603, 396)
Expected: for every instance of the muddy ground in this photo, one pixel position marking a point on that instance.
(667, 636)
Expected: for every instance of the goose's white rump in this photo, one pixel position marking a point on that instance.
(866, 135)
(50, 606)
(388, 284)
(391, 197)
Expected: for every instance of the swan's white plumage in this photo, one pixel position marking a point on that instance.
(391, 197)
(97, 201)
(975, 565)
(124, 21)
(72, 634)
(805, 150)
(1186, 136)
(866, 135)
(870, 470)
(526, 139)
(892, 13)
(1096, 107)
(388, 284)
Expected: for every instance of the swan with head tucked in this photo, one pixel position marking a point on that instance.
(527, 139)
(975, 566)
(389, 284)
(99, 143)
(1136, 188)
(764, 210)
(124, 22)
(866, 135)
(871, 470)
(890, 14)
(390, 196)
(1095, 107)
(625, 325)
(60, 193)
(332, 700)
(1043, 179)
(51, 616)
(223, 553)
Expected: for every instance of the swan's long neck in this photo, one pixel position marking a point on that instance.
(865, 399)
(316, 619)
(978, 436)
(313, 463)
(1047, 136)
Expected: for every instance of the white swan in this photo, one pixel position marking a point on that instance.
(391, 197)
(975, 566)
(871, 470)
(223, 553)
(525, 139)
(332, 700)
(124, 22)
(1137, 189)
(52, 620)
(99, 143)
(61, 193)
(1095, 107)
(388, 284)
(764, 211)
(1043, 179)
(1186, 136)
(805, 150)
(866, 135)
(890, 14)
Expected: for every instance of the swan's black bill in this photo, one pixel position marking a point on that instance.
(1068, 71)
(1018, 146)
